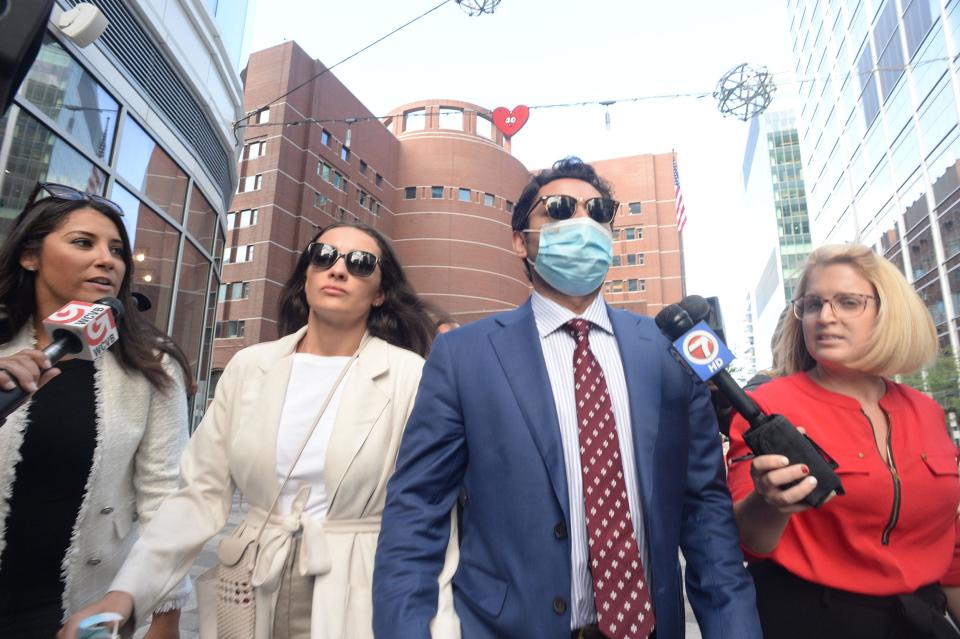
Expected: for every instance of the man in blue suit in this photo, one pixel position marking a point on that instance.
(581, 454)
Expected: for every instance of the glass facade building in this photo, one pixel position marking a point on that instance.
(879, 131)
(85, 119)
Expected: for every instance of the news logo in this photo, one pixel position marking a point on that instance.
(94, 322)
(703, 351)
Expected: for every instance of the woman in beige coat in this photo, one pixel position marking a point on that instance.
(313, 575)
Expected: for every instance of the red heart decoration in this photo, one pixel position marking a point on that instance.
(509, 122)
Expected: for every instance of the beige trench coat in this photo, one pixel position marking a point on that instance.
(235, 448)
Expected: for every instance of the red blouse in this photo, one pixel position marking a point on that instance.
(895, 529)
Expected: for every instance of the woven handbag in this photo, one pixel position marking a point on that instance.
(225, 593)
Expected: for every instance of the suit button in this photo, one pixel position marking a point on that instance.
(559, 605)
(93, 562)
(106, 511)
(560, 531)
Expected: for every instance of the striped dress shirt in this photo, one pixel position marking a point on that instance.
(558, 346)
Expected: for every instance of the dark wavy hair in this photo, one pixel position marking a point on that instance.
(403, 319)
(141, 345)
(568, 168)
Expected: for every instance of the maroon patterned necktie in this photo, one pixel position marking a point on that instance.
(622, 600)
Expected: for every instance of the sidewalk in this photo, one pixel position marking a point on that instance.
(208, 558)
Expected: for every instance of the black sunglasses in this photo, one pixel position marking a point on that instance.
(359, 263)
(563, 207)
(64, 192)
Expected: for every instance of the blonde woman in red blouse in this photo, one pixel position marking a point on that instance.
(880, 561)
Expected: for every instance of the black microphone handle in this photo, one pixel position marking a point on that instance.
(64, 344)
(740, 400)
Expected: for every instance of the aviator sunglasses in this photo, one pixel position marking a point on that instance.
(359, 263)
(562, 207)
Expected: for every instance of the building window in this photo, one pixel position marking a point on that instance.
(635, 286)
(436, 192)
(338, 181)
(632, 259)
(410, 193)
(464, 195)
(484, 127)
(451, 118)
(262, 116)
(635, 208)
(363, 198)
(639, 232)
(375, 208)
(616, 261)
(630, 233)
(325, 138)
(238, 254)
(363, 167)
(323, 170)
(344, 154)
(379, 180)
(488, 199)
(641, 259)
(233, 291)
(256, 149)
(239, 219)
(616, 286)
(230, 329)
(319, 201)
(415, 120)
(616, 234)
(250, 183)
(508, 205)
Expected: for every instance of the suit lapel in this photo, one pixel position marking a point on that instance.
(361, 404)
(642, 372)
(264, 419)
(517, 346)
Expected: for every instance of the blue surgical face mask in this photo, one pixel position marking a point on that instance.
(574, 255)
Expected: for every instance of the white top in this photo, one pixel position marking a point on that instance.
(311, 378)
(558, 346)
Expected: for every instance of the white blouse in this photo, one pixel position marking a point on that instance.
(311, 378)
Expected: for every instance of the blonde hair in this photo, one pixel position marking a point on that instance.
(904, 337)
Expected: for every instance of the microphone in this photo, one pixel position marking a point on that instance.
(706, 356)
(81, 329)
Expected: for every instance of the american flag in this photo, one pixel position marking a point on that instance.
(678, 196)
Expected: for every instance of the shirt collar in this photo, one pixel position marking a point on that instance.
(550, 316)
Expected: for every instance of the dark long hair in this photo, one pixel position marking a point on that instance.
(141, 345)
(402, 319)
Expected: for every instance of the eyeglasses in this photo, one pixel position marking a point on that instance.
(563, 207)
(359, 263)
(843, 305)
(64, 192)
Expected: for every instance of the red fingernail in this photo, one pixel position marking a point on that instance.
(805, 469)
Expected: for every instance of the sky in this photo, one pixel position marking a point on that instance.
(539, 52)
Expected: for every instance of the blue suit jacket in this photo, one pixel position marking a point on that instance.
(485, 426)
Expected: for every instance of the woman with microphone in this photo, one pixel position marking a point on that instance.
(882, 560)
(307, 428)
(95, 448)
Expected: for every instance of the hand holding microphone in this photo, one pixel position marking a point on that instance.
(81, 329)
(789, 450)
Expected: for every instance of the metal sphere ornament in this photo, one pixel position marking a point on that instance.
(745, 91)
(478, 7)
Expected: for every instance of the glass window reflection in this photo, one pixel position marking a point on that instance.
(192, 296)
(202, 219)
(69, 96)
(33, 153)
(148, 167)
(154, 254)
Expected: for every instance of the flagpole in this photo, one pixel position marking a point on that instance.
(683, 270)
